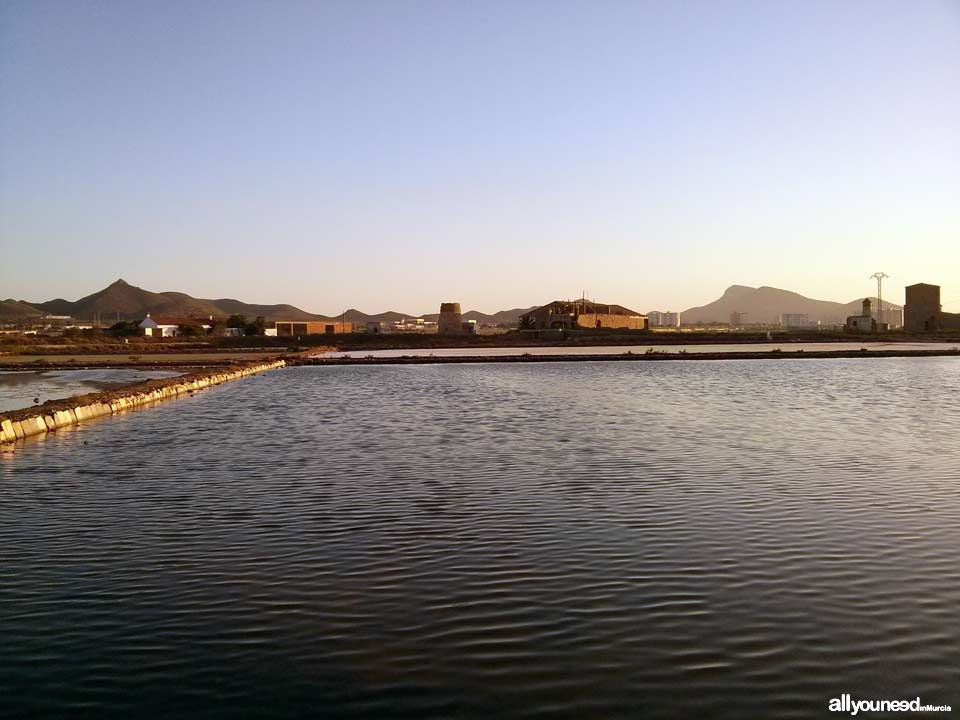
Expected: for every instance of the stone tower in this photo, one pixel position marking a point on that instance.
(922, 312)
(450, 321)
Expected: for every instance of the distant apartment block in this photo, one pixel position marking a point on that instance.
(664, 319)
(797, 321)
(738, 319)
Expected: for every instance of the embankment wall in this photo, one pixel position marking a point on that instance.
(59, 413)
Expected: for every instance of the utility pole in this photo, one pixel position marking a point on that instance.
(879, 277)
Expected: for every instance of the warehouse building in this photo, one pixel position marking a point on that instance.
(296, 328)
(582, 315)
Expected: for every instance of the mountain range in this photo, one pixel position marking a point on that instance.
(765, 305)
(121, 300)
(128, 302)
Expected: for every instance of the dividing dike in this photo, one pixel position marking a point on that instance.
(18, 424)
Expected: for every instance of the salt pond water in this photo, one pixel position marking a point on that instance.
(699, 539)
(19, 389)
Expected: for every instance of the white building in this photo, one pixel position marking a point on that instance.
(664, 319)
(161, 326)
(418, 325)
(796, 320)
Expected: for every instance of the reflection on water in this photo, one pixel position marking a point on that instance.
(785, 347)
(20, 389)
(697, 539)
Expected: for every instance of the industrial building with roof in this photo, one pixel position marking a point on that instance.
(582, 315)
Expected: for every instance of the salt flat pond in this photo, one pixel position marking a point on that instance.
(19, 389)
(699, 539)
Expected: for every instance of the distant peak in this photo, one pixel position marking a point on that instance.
(737, 289)
(119, 282)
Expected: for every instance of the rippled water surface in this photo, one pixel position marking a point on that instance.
(698, 539)
(21, 389)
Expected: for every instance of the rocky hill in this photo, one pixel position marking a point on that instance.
(16, 310)
(128, 302)
(766, 304)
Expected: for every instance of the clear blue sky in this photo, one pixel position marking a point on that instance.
(396, 154)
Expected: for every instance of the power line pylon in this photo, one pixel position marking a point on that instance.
(879, 277)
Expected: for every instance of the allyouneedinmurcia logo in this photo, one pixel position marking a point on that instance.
(845, 703)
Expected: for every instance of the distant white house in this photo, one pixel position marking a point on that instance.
(166, 326)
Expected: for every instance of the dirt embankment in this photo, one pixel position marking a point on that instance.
(164, 361)
(54, 414)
